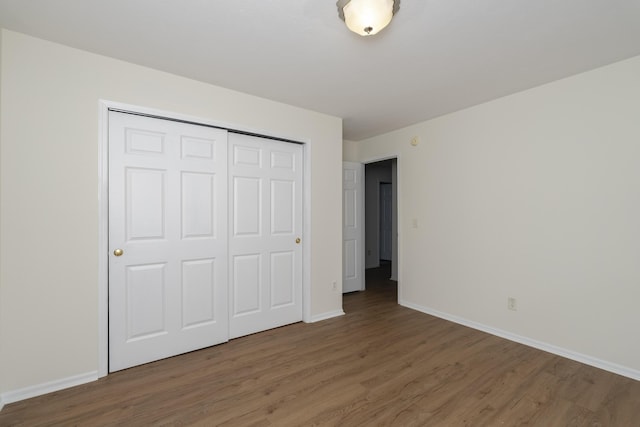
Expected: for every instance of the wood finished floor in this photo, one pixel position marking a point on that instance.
(380, 364)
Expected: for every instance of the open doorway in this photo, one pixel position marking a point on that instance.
(381, 221)
(370, 224)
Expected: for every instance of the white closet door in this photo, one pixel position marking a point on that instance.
(168, 216)
(265, 250)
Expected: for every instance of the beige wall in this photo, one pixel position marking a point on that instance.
(49, 192)
(534, 196)
(350, 151)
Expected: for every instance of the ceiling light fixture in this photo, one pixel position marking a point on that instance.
(367, 17)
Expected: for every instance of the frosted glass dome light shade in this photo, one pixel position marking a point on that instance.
(367, 17)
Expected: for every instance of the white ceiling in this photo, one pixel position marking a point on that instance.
(437, 56)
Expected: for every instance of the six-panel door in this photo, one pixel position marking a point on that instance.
(353, 228)
(205, 233)
(168, 217)
(265, 250)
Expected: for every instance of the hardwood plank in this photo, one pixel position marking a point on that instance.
(380, 364)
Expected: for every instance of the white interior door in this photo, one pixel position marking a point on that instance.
(168, 216)
(265, 250)
(353, 227)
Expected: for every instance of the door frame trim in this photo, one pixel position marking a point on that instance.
(379, 158)
(104, 106)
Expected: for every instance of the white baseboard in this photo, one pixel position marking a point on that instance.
(550, 348)
(49, 387)
(325, 316)
(1, 403)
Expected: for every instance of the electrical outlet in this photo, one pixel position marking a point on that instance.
(512, 304)
(334, 286)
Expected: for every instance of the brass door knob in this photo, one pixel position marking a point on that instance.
(118, 252)
(298, 240)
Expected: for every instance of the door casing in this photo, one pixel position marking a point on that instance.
(103, 211)
(400, 222)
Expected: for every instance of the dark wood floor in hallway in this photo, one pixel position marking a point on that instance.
(380, 364)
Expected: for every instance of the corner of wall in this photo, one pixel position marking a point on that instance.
(325, 316)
